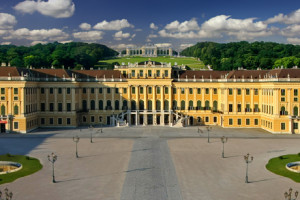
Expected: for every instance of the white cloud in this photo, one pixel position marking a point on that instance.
(244, 35)
(292, 30)
(153, 26)
(179, 35)
(38, 42)
(295, 41)
(120, 35)
(37, 35)
(163, 44)
(5, 43)
(7, 21)
(138, 30)
(122, 46)
(113, 25)
(292, 18)
(183, 46)
(52, 8)
(85, 26)
(183, 27)
(152, 36)
(89, 35)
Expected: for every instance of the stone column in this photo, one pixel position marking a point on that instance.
(289, 106)
(129, 97)
(64, 99)
(252, 99)
(73, 101)
(88, 98)
(234, 109)
(243, 100)
(113, 98)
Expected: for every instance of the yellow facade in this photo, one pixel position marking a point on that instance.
(149, 93)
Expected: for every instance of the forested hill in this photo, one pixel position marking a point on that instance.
(74, 54)
(233, 55)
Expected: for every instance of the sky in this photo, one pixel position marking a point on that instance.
(134, 23)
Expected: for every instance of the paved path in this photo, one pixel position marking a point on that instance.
(151, 174)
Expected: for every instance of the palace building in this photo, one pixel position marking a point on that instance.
(149, 50)
(149, 93)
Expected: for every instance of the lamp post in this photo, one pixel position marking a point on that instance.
(76, 140)
(248, 160)
(91, 130)
(52, 158)
(8, 195)
(288, 195)
(223, 140)
(208, 129)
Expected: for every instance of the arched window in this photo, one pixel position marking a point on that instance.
(117, 106)
(175, 105)
(198, 105)
(282, 110)
(191, 105)
(149, 105)
(84, 105)
(133, 105)
(166, 105)
(158, 105)
(141, 106)
(295, 111)
(100, 105)
(16, 109)
(215, 106)
(108, 105)
(92, 105)
(125, 105)
(182, 106)
(207, 105)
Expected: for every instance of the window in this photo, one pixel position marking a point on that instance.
(158, 73)
(92, 105)
(59, 91)
(117, 105)
(100, 118)
(149, 105)
(239, 91)
(182, 105)
(190, 105)
(100, 105)
(166, 90)
(51, 107)
(191, 90)
(60, 108)
(206, 90)
(158, 105)
(295, 125)
(198, 119)
(108, 90)
(182, 90)
(239, 107)
(255, 121)
(248, 107)
(141, 90)
(100, 90)
(68, 121)
(255, 91)
(282, 99)
(16, 110)
(256, 108)
(198, 90)
(16, 98)
(158, 90)
(2, 98)
(59, 121)
(133, 90)
(230, 107)
(282, 92)
(2, 90)
(230, 121)
(296, 111)
(166, 73)
(141, 73)
(133, 73)
(51, 90)
(125, 90)
(150, 90)
(295, 92)
(207, 105)
(68, 90)
(42, 90)
(83, 118)
(43, 107)
(92, 90)
(42, 120)
(239, 121)
(215, 91)
(230, 91)
(282, 125)
(215, 119)
(174, 90)
(206, 119)
(69, 107)
(198, 105)
(51, 122)
(92, 119)
(247, 91)
(247, 121)
(16, 125)
(16, 91)
(117, 90)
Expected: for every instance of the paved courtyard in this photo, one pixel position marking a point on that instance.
(151, 163)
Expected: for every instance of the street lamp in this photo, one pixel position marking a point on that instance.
(52, 158)
(76, 140)
(223, 140)
(247, 160)
(91, 130)
(8, 195)
(288, 195)
(208, 129)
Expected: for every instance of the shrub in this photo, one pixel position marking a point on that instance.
(8, 155)
(281, 157)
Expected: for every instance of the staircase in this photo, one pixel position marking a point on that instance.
(180, 119)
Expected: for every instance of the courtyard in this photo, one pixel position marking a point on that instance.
(143, 163)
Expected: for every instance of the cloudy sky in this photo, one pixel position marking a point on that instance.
(121, 23)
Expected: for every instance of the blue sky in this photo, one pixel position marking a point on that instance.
(120, 23)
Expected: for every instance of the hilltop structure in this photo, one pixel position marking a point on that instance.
(149, 93)
(149, 50)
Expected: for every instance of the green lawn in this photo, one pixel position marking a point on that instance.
(277, 166)
(193, 63)
(30, 166)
